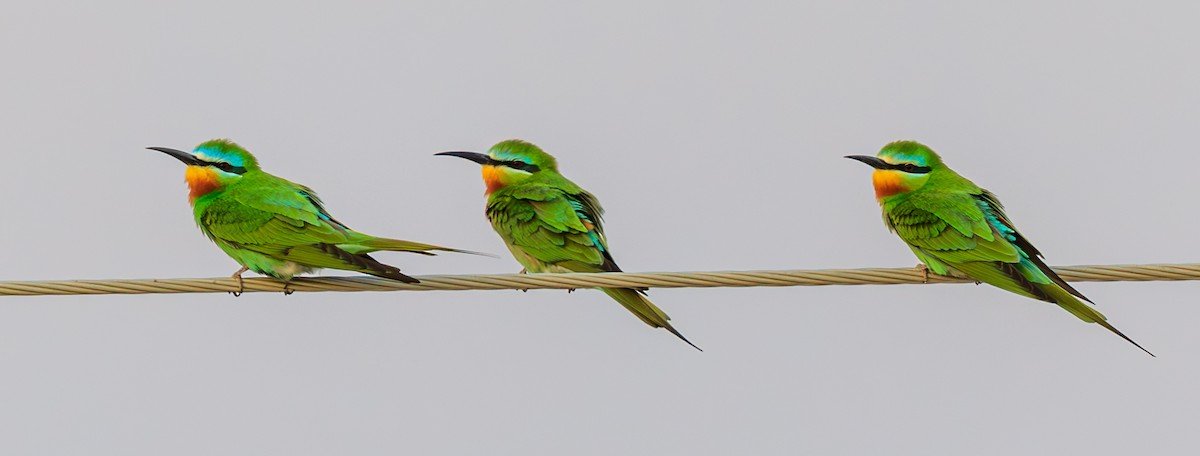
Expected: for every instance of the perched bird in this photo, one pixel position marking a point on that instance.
(951, 224)
(549, 223)
(273, 226)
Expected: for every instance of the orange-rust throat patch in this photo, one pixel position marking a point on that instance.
(201, 181)
(493, 176)
(887, 183)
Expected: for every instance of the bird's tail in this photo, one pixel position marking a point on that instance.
(386, 271)
(645, 310)
(368, 244)
(332, 256)
(1085, 312)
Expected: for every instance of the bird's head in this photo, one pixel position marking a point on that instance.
(901, 167)
(213, 165)
(509, 162)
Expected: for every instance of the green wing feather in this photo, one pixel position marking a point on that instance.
(286, 223)
(280, 219)
(969, 232)
(956, 234)
(546, 224)
(550, 228)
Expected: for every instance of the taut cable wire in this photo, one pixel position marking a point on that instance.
(785, 278)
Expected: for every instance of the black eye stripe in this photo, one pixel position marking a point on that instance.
(910, 168)
(518, 164)
(228, 167)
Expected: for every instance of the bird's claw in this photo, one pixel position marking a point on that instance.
(523, 271)
(287, 291)
(570, 290)
(951, 273)
(924, 272)
(240, 285)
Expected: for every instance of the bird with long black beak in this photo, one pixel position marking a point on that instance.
(549, 223)
(273, 226)
(951, 224)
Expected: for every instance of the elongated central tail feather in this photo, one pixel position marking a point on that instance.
(1067, 300)
(645, 310)
(368, 244)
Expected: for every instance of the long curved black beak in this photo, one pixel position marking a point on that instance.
(184, 157)
(476, 157)
(874, 162)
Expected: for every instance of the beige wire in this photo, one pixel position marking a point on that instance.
(787, 278)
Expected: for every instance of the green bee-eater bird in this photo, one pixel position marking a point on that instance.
(549, 223)
(951, 224)
(273, 226)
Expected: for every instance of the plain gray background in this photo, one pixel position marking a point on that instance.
(712, 132)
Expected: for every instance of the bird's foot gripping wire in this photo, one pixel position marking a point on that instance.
(240, 285)
(524, 271)
(287, 290)
(924, 272)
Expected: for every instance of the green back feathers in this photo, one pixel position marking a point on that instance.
(280, 228)
(951, 223)
(552, 225)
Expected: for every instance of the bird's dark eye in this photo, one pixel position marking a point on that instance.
(910, 167)
(518, 164)
(229, 168)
